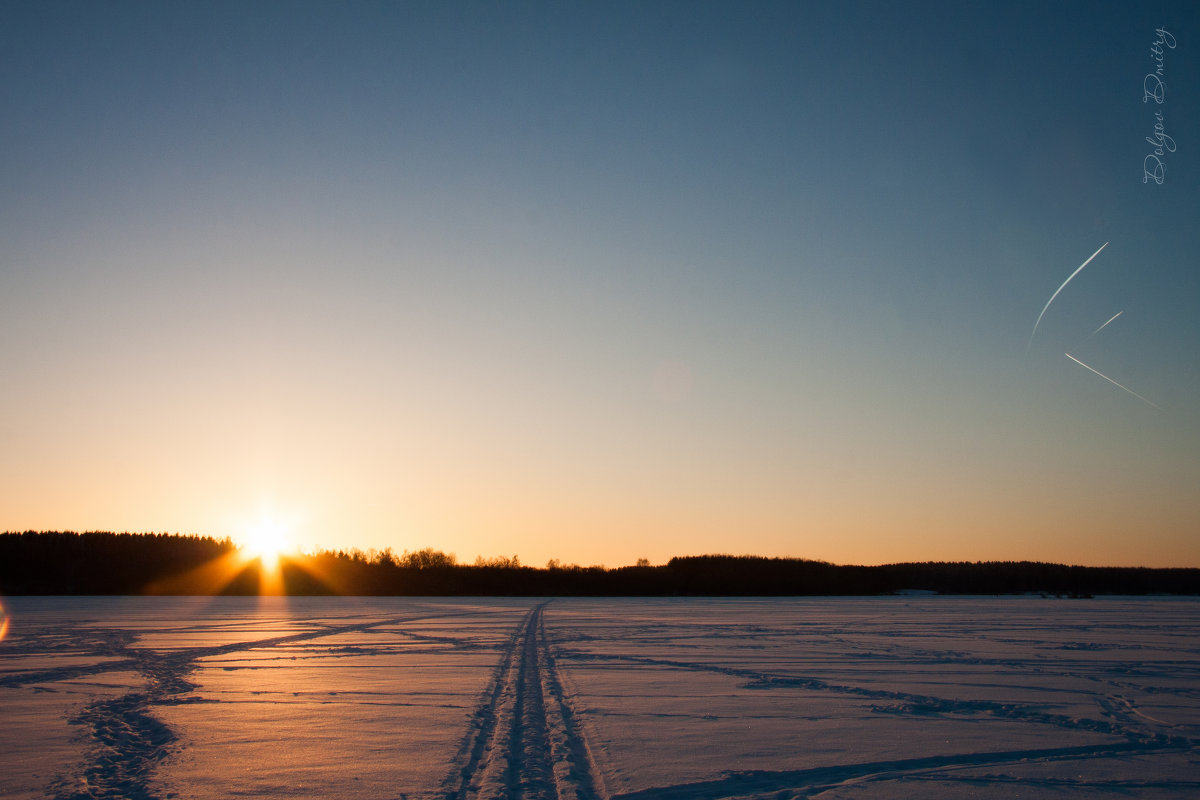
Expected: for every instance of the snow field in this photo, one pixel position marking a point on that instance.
(615, 699)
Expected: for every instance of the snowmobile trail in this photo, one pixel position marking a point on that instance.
(524, 742)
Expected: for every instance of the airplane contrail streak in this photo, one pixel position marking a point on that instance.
(1105, 325)
(1056, 291)
(1110, 380)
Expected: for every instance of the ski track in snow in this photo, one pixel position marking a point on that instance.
(524, 743)
(530, 738)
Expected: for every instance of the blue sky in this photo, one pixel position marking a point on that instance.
(602, 281)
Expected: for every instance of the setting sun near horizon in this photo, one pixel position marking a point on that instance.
(599, 282)
(268, 540)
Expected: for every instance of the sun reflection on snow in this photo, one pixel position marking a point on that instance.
(4, 618)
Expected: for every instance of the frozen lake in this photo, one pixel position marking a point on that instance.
(896, 697)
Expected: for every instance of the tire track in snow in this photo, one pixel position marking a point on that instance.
(524, 742)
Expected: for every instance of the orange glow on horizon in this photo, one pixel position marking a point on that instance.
(248, 572)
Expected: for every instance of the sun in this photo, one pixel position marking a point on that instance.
(267, 541)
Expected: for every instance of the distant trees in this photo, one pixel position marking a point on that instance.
(123, 563)
(427, 559)
(98, 562)
(502, 562)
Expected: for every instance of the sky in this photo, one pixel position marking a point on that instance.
(606, 281)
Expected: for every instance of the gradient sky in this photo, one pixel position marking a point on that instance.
(603, 281)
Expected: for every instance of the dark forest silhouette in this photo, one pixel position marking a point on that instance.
(124, 563)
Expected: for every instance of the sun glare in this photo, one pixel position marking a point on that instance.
(267, 541)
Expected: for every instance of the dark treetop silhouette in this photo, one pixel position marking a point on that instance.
(124, 563)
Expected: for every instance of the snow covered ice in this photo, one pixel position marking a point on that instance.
(889, 697)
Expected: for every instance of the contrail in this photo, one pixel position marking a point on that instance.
(1059, 289)
(1105, 325)
(1110, 380)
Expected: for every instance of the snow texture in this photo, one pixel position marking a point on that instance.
(646, 699)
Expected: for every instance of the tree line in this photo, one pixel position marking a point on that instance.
(124, 563)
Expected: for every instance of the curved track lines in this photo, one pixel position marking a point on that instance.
(128, 741)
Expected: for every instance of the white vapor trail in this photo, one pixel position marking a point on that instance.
(1056, 291)
(1110, 380)
(1105, 325)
